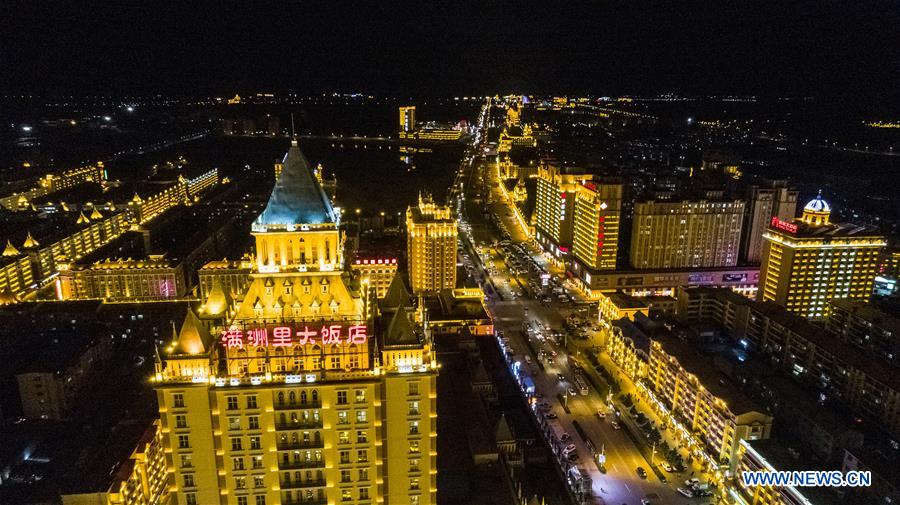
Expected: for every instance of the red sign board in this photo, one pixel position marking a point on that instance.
(286, 336)
(784, 225)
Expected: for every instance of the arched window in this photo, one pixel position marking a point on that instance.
(282, 419)
(315, 396)
(292, 398)
(303, 397)
(281, 399)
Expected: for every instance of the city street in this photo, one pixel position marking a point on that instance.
(511, 307)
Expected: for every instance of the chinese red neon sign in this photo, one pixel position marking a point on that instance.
(286, 336)
(784, 225)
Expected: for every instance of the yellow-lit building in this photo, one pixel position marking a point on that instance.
(809, 261)
(555, 209)
(408, 119)
(688, 234)
(379, 272)
(298, 400)
(431, 233)
(51, 183)
(616, 305)
(142, 479)
(700, 402)
(595, 236)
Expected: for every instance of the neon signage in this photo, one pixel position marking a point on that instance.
(783, 225)
(286, 336)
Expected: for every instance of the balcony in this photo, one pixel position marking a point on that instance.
(296, 465)
(298, 405)
(308, 444)
(301, 484)
(298, 425)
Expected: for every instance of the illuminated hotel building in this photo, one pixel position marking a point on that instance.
(810, 261)
(772, 456)
(555, 209)
(431, 247)
(595, 245)
(378, 271)
(302, 400)
(686, 234)
(764, 203)
(408, 119)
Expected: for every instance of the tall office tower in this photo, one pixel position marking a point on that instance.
(408, 119)
(598, 208)
(431, 246)
(764, 203)
(554, 209)
(686, 234)
(810, 261)
(300, 401)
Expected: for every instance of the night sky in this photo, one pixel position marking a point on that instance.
(786, 47)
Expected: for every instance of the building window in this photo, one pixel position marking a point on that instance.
(414, 427)
(414, 446)
(253, 422)
(242, 500)
(258, 481)
(234, 423)
(342, 417)
(189, 480)
(346, 495)
(255, 443)
(237, 463)
(345, 456)
(414, 483)
(361, 437)
(184, 442)
(361, 416)
(240, 482)
(413, 408)
(342, 398)
(364, 493)
(251, 402)
(414, 465)
(186, 461)
(181, 421)
(190, 499)
(363, 474)
(257, 462)
(232, 402)
(360, 396)
(413, 500)
(362, 456)
(344, 437)
(178, 400)
(345, 475)
(236, 444)
(413, 388)
(260, 500)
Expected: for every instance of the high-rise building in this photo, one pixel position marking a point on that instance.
(686, 234)
(431, 246)
(764, 203)
(809, 261)
(554, 209)
(595, 240)
(300, 400)
(408, 119)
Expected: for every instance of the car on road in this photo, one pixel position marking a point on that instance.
(565, 437)
(572, 457)
(685, 492)
(572, 392)
(641, 472)
(551, 415)
(601, 414)
(569, 448)
(692, 482)
(615, 425)
(650, 499)
(560, 377)
(667, 467)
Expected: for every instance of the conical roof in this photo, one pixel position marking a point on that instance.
(96, 214)
(193, 337)
(297, 197)
(82, 219)
(10, 249)
(503, 432)
(217, 302)
(400, 331)
(30, 242)
(396, 294)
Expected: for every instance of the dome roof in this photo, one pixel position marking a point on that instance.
(817, 204)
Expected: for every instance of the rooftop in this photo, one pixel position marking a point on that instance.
(297, 197)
